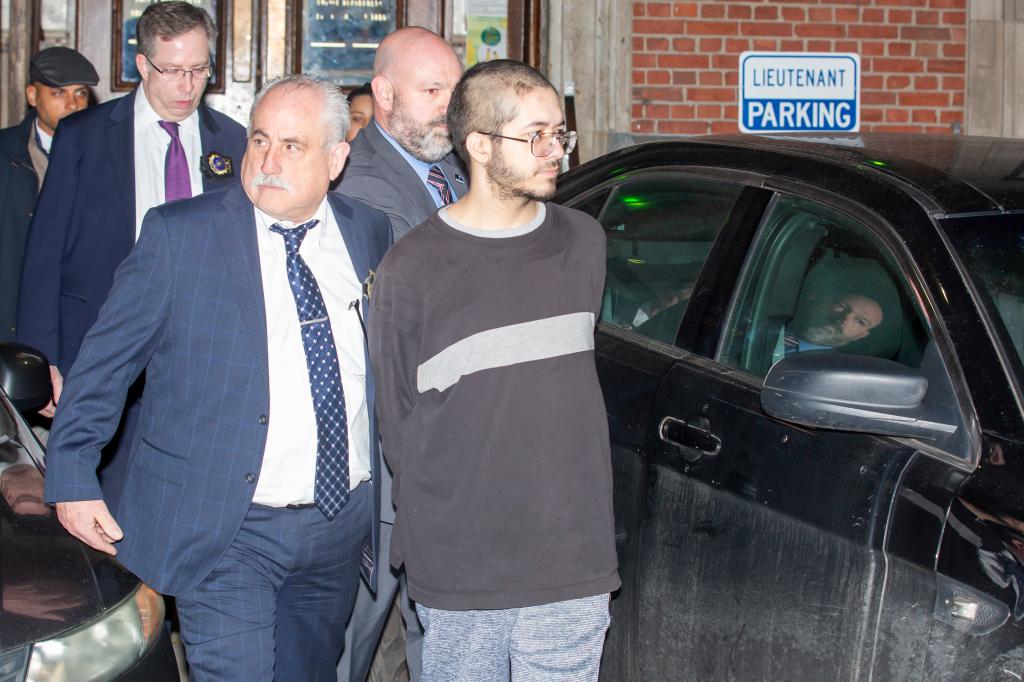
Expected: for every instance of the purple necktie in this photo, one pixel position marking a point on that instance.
(176, 182)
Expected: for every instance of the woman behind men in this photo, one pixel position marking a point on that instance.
(360, 110)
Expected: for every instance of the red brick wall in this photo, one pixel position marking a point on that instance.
(686, 56)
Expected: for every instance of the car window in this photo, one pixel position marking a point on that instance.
(818, 280)
(660, 231)
(592, 203)
(992, 248)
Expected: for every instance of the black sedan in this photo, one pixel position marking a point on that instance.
(67, 613)
(811, 352)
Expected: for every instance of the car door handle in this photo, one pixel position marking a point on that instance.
(692, 436)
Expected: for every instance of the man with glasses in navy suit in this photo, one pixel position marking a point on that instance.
(109, 165)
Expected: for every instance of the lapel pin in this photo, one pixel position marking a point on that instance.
(217, 165)
(460, 179)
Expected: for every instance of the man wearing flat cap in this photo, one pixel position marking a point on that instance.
(110, 165)
(58, 85)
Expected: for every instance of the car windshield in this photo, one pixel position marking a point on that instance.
(992, 249)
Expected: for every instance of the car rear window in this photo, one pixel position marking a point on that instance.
(660, 229)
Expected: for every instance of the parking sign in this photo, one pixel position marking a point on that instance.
(799, 91)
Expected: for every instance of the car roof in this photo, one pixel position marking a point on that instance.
(951, 174)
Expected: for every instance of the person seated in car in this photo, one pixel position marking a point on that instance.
(848, 319)
(660, 317)
(848, 305)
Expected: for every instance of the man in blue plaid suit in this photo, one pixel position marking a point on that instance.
(249, 494)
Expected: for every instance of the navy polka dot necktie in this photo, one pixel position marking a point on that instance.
(331, 488)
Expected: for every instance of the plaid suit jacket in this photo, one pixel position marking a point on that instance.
(187, 307)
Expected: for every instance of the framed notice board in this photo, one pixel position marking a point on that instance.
(340, 37)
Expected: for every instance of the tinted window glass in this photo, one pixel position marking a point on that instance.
(660, 231)
(992, 248)
(592, 203)
(816, 280)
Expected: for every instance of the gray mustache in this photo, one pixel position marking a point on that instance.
(264, 180)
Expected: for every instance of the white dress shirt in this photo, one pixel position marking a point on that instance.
(289, 459)
(151, 142)
(45, 139)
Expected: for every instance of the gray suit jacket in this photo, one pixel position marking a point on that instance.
(377, 175)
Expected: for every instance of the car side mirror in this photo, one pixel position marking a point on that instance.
(24, 376)
(842, 392)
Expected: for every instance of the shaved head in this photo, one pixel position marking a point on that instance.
(414, 74)
(414, 44)
(489, 96)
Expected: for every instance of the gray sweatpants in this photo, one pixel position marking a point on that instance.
(548, 643)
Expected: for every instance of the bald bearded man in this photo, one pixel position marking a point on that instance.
(403, 163)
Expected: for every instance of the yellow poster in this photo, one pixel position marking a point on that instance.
(486, 38)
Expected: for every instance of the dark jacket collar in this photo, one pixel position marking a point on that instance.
(14, 141)
(207, 122)
(125, 109)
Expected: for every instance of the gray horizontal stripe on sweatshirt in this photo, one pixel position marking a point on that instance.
(514, 344)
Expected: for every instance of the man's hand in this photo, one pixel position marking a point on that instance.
(90, 521)
(57, 381)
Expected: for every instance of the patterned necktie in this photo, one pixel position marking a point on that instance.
(176, 181)
(437, 180)
(330, 491)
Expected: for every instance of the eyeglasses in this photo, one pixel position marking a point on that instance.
(199, 73)
(542, 144)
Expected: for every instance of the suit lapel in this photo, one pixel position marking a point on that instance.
(208, 132)
(355, 239)
(236, 230)
(406, 175)
(121, 143)
(456, 174)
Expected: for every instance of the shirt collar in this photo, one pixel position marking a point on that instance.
(146, 116)
(805, 346)
(44, 138)
(265, 221)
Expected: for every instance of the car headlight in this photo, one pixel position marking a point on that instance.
(12, 664)
(104, 648)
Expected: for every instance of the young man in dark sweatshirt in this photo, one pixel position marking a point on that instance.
(481, 335)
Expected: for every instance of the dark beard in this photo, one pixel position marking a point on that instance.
(504, 180)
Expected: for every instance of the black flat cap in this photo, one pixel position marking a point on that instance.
(60, 66)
